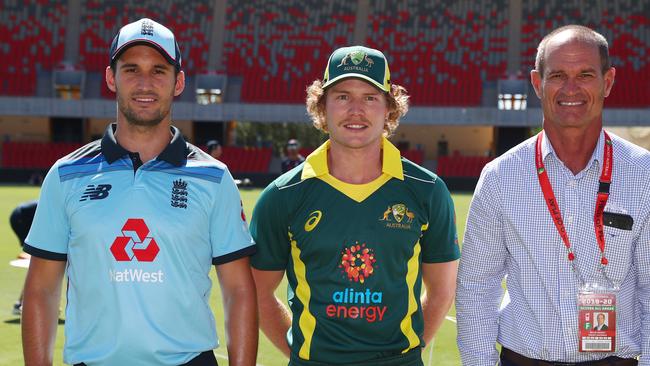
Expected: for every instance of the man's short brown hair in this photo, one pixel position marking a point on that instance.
(581, 33)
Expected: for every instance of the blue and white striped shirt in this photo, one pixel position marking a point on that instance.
(510, 233)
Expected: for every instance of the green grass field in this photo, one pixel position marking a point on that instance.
(444, 350)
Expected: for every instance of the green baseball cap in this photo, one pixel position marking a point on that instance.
(358, 62)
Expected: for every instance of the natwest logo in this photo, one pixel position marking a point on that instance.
(135, 242)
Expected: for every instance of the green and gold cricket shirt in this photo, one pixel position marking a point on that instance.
(353, 254)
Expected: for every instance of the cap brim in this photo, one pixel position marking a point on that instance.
(354, 75)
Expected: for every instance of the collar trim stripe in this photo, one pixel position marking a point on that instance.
(316, 167)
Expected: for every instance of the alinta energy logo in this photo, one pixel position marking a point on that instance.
(357, 264)
(135, 243)
(398, 216)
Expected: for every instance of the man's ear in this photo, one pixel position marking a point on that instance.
(109, 75)
(536, 80)
(180, 84)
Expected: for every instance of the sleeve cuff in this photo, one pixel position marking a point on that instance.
(245, 252)
(441, 259)
(40, 253)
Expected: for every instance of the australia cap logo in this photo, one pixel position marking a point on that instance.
(356, 57)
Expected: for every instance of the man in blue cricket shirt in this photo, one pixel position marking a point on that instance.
(137, 219)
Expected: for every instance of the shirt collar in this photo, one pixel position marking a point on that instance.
(596, 155)
(316, 162)
(175, 153)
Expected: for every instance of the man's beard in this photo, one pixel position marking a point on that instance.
(134, 119)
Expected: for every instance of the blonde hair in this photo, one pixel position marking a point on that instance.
(397, 102)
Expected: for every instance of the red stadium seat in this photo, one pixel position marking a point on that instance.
(626, 28)
(32, 38)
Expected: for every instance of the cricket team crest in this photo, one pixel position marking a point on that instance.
(357, 57)
(179, 194)
(398, 216)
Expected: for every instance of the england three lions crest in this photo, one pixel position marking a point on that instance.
(179, 194)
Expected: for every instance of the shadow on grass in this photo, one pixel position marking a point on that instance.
(17, 321)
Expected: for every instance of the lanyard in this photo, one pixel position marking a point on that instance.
(601, 199)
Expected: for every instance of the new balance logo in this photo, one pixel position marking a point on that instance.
(96, 192)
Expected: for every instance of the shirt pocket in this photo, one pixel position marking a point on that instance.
(619, 252)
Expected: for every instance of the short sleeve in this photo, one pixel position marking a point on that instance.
(50, 232)
(229, 235)
(440, 240)
(270, 229)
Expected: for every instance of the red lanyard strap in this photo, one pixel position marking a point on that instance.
(601, 199)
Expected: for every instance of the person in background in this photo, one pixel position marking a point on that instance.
(21, 220)
(293, 158)
(214, 148)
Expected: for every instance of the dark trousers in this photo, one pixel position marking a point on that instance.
(20, 225)
(204, 359)
(511, 358)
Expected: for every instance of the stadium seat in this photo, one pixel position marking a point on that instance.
(34, 155)
(32, 38)
(626, 27)
(281, 47)
(442, 54)
(461, 166)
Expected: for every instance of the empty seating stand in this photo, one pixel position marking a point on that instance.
(280, 47)
(32, 38)
(246, 159)
(442, 51)
(34, 155)
(416, 156)
(461, 166)
(626, 26)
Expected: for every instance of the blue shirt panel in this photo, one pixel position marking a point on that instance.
(150, 307)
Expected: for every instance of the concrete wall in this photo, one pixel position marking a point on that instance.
(471, 140)
(24, 128)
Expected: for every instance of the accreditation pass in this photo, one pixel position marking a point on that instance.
(597, 322)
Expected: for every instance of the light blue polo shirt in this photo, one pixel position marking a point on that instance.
(139, 245)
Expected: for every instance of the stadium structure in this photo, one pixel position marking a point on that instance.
(464, 63)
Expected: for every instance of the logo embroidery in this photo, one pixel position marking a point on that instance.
(135, 242)
(356, 57)
(313, 220)
(395, 214)
(147, 28)
(179, 194)
(358, 262)
(98, 192)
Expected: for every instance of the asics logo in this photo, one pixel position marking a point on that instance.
(98, 192)
(313, 220)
